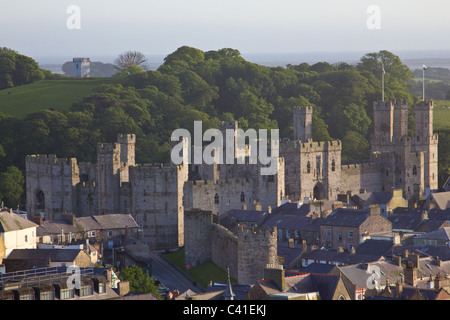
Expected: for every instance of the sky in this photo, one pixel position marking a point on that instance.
(51, 28)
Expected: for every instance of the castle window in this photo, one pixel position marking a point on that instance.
(242, 197)
(387, 172)
(308, 167)
(414, 170)
(333, 166)
(216, 198)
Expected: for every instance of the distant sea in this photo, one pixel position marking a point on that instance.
(413, 59)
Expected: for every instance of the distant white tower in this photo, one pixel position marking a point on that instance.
(81, 67)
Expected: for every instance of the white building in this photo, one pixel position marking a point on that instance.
(17, 232)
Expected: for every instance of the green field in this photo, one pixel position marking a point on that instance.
(441, 115)
(45, 94)
(204, 273)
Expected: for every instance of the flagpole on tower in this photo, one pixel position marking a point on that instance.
(424, 67)
(382, 81)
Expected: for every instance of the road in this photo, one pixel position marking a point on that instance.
(170, 276)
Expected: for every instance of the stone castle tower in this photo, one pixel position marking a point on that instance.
(81, 67)
(407, 162)
(302, 117)
(312, 169)
(245, 252)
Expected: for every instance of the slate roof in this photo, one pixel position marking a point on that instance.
(292, 208)
(240, 291)
(374, 247)
(358, 273)
(54, 227)
(346, 218)
(334, 256)
(318, 268)
(106, 222)
(405, 221)
(55, 255)
(289, 254)
(370, 198)
(325, 285)
(440, 234)
(13, 222)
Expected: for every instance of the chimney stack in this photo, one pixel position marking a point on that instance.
(276, 274)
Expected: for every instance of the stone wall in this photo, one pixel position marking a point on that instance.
(244, 254)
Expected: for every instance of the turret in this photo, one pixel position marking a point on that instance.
(302, 123)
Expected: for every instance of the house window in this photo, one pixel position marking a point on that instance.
(110, 233)
(101, 288)
(28, 296)
(66, 294)
(86, 290)
(49, 295)
(242, 197)
(288, 234)
(339, 236)
(350, 234)
(216, 198)
(328, 233)
(350, 247)
(91, 234)
(270, 178)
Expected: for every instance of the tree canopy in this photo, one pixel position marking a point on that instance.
(210, 86)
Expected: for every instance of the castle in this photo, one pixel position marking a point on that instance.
(157, 195)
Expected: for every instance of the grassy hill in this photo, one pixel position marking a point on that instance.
(58, 94)
(441, 115)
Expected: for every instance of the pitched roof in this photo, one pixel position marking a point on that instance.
(370, 198)
(54, 227)
(442, 199)
(334, 256)
(12, 222)
(346, 217)
(405, 221)
(107, 221)
(318, 268)
(440, 234)
(55, 255)
(374, 247)
(303, 284)
(358, 273)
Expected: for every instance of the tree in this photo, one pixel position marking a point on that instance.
(130, 58)
(354, 147)
(11, 186)
(140, 282)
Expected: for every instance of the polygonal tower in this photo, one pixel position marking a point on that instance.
(81, 67)
(302, 123)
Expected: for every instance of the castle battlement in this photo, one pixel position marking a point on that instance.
(88, 185)
(49, 159)
(246, 231)
(316, 146)
(105, 148)
(359, 165)
(302, 109)
(425, 105)
(126, 138)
